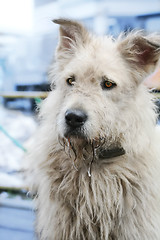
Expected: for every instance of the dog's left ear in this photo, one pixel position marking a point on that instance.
(72, 35)
(141, 52)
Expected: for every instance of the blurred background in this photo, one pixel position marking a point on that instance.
(28, 39)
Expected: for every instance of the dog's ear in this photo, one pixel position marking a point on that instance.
(72, 35)
(140, 51)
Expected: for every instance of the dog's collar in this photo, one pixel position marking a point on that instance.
(111, 153)
(108, 154)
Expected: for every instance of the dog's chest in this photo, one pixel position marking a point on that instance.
(105, 193)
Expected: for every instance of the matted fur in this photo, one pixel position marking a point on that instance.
(121, 198)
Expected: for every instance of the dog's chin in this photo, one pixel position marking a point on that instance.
(98, 146)
(75, 135)
(81, 142)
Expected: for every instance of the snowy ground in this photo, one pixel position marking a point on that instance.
(16, 128)
(16, 208)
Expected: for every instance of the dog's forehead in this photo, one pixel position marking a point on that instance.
(99, 58)
(100, 49)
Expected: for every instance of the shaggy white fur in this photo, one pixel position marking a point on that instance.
(80, 195)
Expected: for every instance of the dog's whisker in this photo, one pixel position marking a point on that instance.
(61, 141)
(71, 148)
(92, 160)
(87, 149)
(69, 153)
(73, 163)
(103, 140)
(96, 143)
(68, 143)
(89, 170)
(65, 147)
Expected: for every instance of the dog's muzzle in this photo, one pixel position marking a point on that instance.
(75, 120)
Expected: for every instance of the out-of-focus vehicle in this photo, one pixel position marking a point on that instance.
(153, 83)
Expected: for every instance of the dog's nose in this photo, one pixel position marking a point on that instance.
(75, 117)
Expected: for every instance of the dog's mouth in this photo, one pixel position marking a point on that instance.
(91, 151)
(76, 133)
(79, 146)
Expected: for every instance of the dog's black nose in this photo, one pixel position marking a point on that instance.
(75, 117)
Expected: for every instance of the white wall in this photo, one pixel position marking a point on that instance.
(81, 9)
(16, 16)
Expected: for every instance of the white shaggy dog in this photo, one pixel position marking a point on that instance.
(96, 158)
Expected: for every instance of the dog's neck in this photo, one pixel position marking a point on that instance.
(91, 152)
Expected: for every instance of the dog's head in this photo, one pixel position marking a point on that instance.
(99, 83)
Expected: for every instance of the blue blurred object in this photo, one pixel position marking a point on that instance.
(16, 224)
(16, 220)
(17, 143)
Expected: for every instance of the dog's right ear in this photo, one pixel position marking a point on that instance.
(72, 35)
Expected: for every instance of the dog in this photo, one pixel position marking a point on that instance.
(95, 160)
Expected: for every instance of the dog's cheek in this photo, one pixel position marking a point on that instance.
(101, 119)
(60, 123)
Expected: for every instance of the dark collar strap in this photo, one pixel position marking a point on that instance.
(111, 153)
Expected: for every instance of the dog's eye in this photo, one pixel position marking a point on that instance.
(108, 84)
(70, 81)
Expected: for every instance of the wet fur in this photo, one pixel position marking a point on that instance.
(121, 199)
